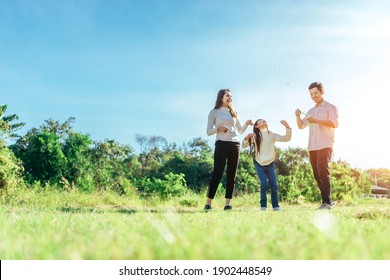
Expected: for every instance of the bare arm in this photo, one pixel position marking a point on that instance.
(298, 118)
(321, 122)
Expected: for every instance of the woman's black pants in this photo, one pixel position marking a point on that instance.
(225, 152)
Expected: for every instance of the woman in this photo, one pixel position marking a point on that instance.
(224, 122)
(262, 142)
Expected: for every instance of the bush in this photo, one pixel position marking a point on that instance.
(171, 185)
(10, 169)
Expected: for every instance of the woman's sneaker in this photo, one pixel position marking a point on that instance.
(227, 207)
(207, 207)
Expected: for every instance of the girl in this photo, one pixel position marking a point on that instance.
(262, 148)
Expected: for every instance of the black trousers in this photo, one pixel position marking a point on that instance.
(224, 152)
(319, 161)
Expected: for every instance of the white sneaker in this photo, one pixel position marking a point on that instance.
(325, 206)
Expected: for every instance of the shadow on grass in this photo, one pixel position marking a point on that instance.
(80, 210)
(378, 214)
(73, 210)
(127, 211)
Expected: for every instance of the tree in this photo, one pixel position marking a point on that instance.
(8, 125)
(10, 166)
(151, 152)
(114, 165)
(247, 180)
(194, 160)
(43, 158)
(41, 151)
(79, 170)
(10, 169)
(61, 130)
(379, 177)
(348, 182)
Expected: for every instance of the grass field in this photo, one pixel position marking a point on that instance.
(64, 226)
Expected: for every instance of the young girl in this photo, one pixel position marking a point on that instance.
(262, 148)
(224, 122)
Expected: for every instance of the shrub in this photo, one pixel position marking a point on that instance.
(10, 169)
(171, 185)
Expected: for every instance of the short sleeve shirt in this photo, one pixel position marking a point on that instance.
(321, 137)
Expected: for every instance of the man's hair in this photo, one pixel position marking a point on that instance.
(316, 85)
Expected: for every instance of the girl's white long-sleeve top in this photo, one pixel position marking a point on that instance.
(267, 145)
(222, 117)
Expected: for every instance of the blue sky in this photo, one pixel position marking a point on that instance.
(155, 67)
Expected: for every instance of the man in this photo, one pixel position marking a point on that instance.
(322, 120)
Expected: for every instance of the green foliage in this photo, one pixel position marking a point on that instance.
(348, 182)
(85, 183)
(112, 163)
(41, 151)
(188, 202)
(151, 155)
(10, 169)
(379, 177)
(297, 184)
(195, 160)
(171, 185)
(44, 159)
(8, 125)
(77, 152)
(55, 155)
(247, 181)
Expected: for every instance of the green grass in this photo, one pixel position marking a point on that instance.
(58, 225)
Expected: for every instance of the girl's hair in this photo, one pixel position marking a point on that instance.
(255, 147)
(218, 102)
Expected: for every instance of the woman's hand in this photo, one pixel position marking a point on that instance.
(222, 129)
(249, 122)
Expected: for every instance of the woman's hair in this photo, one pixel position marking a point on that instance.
(255, 147)
(218, 102)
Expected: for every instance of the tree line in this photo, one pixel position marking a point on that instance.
(54, 155)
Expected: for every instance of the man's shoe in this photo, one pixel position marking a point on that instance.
(263, 208)
(207, 207)
(277, 209)
(227, 207)
(325, 206)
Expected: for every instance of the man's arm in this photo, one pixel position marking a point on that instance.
(298, 117)
(321, 122)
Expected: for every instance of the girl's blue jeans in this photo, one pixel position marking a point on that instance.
(267, 176)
